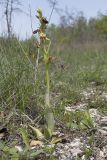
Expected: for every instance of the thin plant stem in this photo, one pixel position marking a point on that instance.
(47, 100)
(36, 64)
(25, 53)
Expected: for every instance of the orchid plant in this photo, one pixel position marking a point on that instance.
(43, 44)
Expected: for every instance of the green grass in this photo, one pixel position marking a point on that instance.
(71, 72)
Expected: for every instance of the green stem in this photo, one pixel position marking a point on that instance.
(49, 114)
(47, 100)
(36, 64)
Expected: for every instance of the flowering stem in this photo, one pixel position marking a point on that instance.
(42, 44)
(47, 100)
(49, 114)
(36, 64)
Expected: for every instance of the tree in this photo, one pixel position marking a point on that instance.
(101, 24)
(54, 6)
(10, 6)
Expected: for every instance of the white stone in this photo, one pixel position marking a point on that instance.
(103, 132)
(104, 128)
(19, 148)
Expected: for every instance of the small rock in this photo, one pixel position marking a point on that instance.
(75, 143)
(104, 128)
(103, 132)
(102, 154)
(95, 114)
(103, 121)
(99, 154)
(19, 148)
(104, 95)
(76, 152)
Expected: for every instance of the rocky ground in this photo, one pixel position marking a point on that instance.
(84, 146)
(89, 144)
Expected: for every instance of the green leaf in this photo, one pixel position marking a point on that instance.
(25, 136)
(35, 154)
(50, 122)
(37, 132)
(72, 125)
(13, 151)
(2, 146)
(88, 119)
(15, 157)
(55, 140)
(6, 149)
